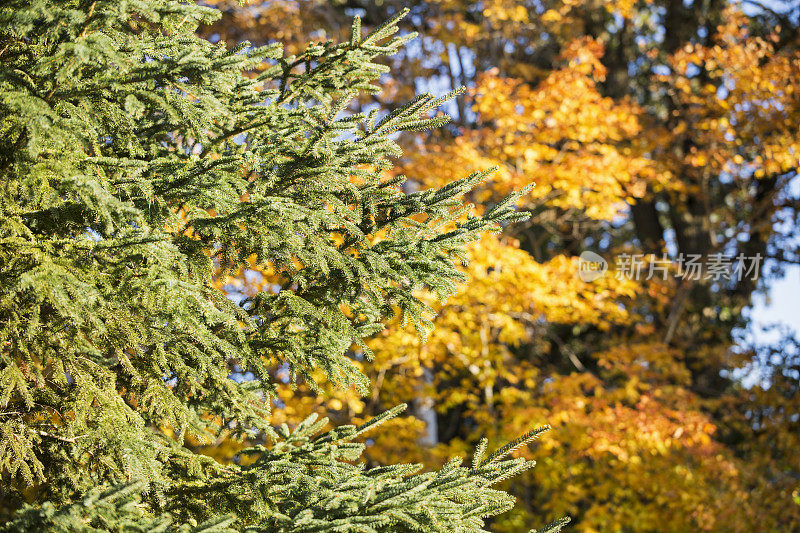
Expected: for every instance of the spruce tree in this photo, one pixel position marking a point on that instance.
(138, 161)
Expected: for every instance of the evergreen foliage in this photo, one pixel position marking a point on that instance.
(138, 161)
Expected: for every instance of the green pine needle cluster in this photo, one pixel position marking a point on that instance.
(137, 162)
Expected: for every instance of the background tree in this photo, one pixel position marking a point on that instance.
(139, 161)
(663, 127)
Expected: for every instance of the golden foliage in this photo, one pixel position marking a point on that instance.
(638, 442)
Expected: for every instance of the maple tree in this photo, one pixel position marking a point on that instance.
(654, 128)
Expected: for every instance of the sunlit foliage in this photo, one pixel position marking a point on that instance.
(664, 128)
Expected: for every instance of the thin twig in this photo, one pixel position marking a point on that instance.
(71, 440)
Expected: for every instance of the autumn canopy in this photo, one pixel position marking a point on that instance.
(235, 238)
